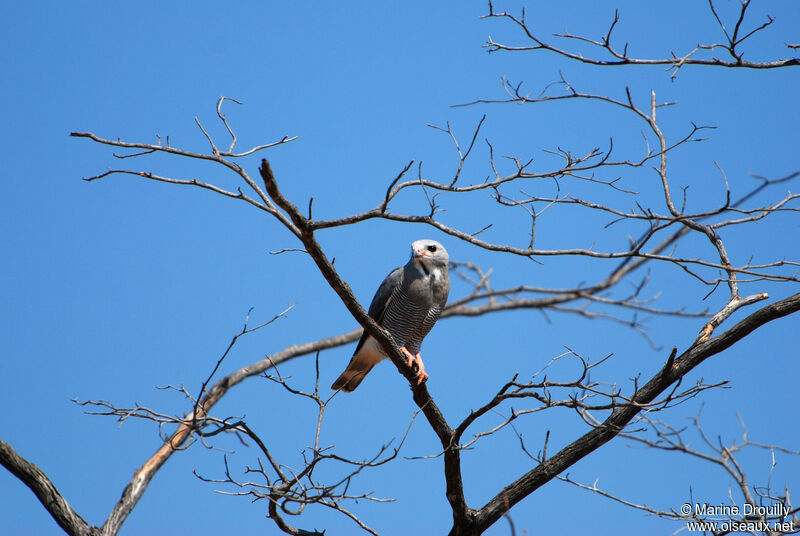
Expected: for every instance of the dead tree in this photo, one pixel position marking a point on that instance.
(609, 408)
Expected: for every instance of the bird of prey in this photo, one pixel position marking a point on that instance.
(407, 305)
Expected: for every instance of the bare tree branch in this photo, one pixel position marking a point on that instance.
(619, 57)
(674, 369)
(779, 509)
(45, 491)
(607, 408)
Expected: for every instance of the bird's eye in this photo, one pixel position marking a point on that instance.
(432, 248)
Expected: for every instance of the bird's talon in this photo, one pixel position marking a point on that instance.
(420, 367)
(409, 357)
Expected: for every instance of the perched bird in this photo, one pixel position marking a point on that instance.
(407, 305)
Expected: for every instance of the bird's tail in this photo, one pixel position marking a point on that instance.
(352, 376)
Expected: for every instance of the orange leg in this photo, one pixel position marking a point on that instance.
(421, 374)
(415, 360)
(409, 357)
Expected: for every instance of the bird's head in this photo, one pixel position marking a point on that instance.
(429, 254)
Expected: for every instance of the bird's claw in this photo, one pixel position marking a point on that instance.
(422, 377)
(421, 374)
(409, 356)
(415, 362)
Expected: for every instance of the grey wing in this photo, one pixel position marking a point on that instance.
(380, 302)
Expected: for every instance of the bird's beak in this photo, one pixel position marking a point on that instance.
(419, 253)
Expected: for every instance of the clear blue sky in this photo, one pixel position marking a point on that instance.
(112, 288)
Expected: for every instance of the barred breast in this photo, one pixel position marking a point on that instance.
(408, 321)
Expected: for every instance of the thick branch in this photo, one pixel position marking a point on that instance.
(45, 491)
(621, 416)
